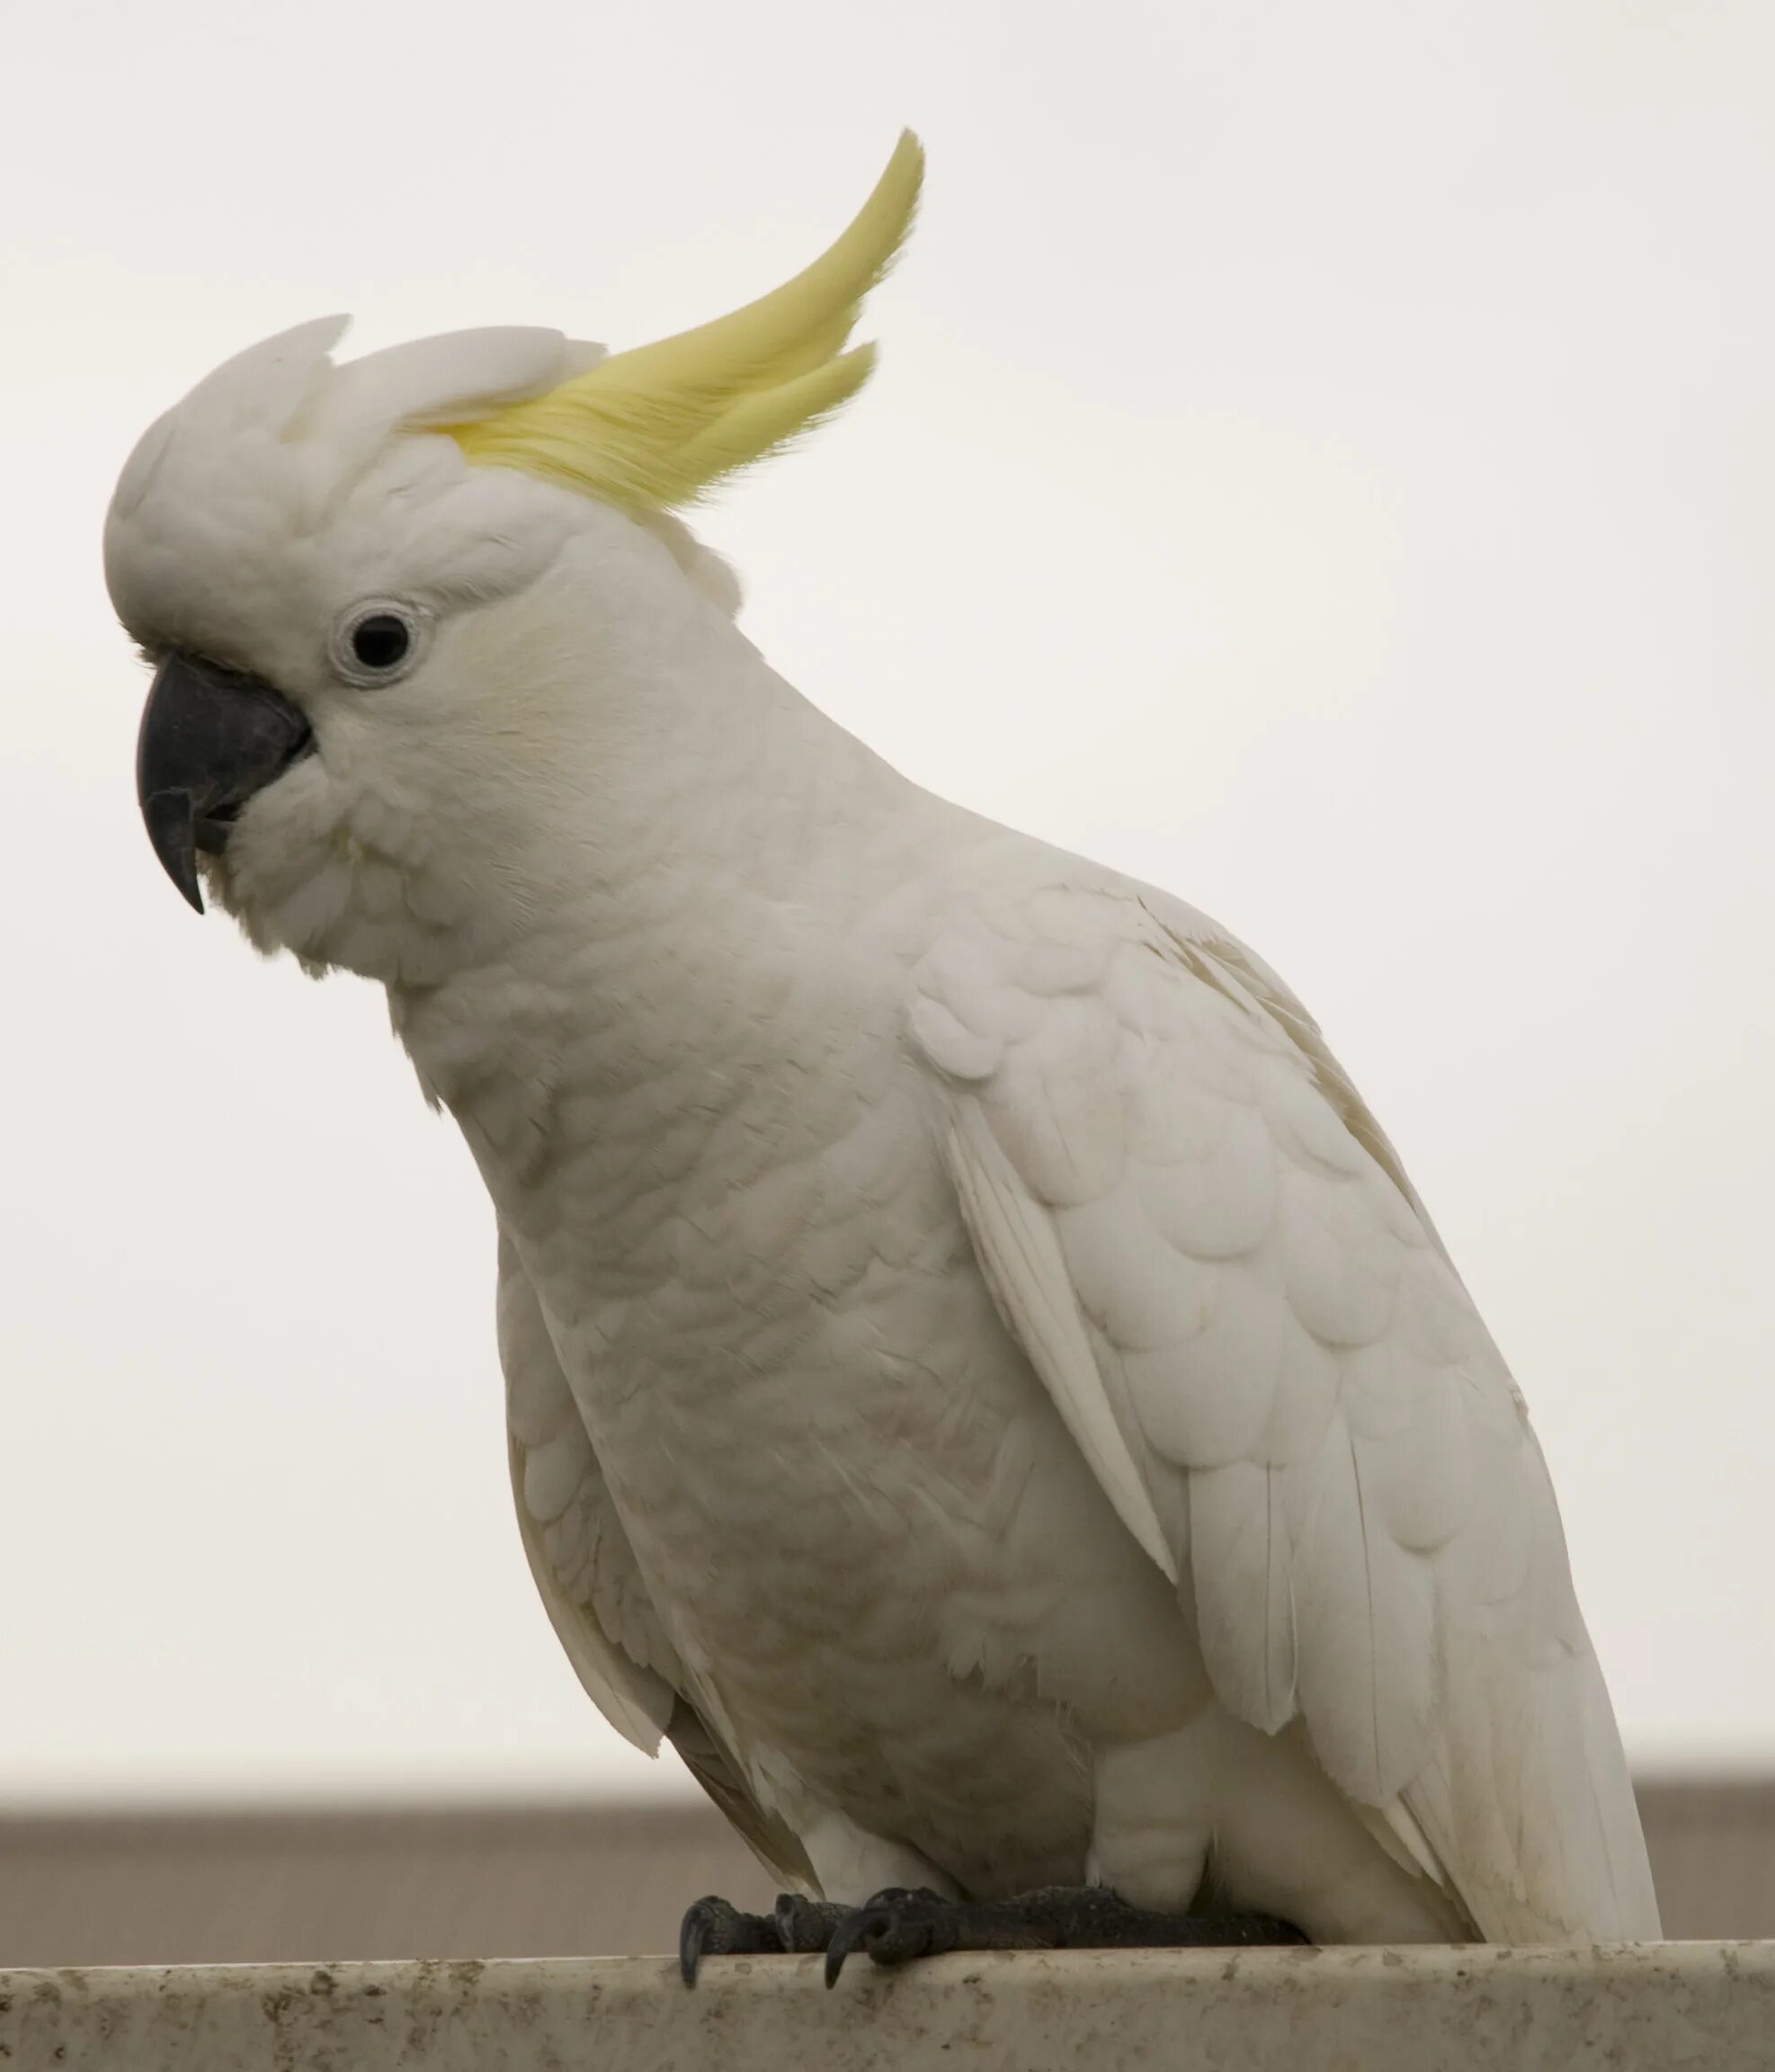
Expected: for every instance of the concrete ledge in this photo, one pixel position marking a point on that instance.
(1663, 2007)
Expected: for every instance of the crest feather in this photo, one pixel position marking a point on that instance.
(652, 429)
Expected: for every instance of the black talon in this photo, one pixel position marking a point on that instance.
(692, 1931)
(849, 1935)
(713, 1928)
(894, 1927)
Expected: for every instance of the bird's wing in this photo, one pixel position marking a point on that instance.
(1212, 1258)
(591, 1587)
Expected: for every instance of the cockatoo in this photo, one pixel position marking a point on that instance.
(980, 1382)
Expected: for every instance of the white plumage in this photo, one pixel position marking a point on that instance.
(1221, 1274)
(979, 1379)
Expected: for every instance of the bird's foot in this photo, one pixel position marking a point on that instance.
(898, 1926)
(712, 1928)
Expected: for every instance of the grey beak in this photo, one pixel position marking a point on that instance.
(209, 739)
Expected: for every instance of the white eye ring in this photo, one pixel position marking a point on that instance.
(378, 641)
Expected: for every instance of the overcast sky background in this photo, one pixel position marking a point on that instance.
(1322, 461)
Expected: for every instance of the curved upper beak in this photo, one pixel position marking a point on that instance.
(209, 739)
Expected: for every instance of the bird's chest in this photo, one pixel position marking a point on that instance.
(752, 1264)
(782, 1349)
(868, 1536)
(837, 1471)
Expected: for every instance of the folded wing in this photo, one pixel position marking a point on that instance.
(1216, 1266)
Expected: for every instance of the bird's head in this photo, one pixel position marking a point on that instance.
(381, 599)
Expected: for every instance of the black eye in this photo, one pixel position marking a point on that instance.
(380, 641)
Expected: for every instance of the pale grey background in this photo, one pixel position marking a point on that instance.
(1322, 461)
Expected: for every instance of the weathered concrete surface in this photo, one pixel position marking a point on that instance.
(1663, 2007)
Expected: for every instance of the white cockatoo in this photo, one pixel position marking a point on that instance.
(980, 1381)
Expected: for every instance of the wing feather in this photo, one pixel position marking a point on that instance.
(1211, 1253)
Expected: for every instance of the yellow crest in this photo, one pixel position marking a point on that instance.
(652, 429)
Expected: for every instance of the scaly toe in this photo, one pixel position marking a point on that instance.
(892, 1928)
(805, 1926)
(714, 1928)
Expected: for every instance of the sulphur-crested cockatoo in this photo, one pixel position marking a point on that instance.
(980, 1381)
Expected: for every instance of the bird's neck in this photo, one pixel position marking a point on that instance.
(726, 837)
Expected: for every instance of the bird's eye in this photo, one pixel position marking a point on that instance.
(377, 642)
(382, 640)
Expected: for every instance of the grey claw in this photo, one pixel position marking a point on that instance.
(693, 1934)
(714, 1928)
(885, 1926)
(851, 1934)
